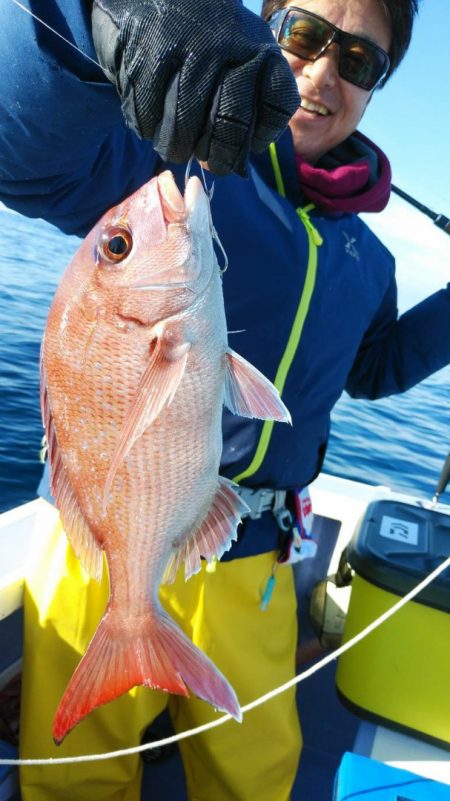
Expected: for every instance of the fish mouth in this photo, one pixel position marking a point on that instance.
(175, 207)
(177, 210)
(173, 204)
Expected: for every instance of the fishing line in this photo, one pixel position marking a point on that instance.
(216, 238)
(67, 41)
(253, 704)
(209, 193)
(187, 173)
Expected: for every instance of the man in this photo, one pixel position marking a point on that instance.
(316, 316)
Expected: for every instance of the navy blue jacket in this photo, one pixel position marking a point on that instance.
(66, 156)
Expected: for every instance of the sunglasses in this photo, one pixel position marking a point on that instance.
(307, 36)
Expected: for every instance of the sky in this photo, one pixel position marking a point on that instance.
(410, 120)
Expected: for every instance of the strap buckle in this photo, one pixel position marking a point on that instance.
(264, 499)
(280, 511)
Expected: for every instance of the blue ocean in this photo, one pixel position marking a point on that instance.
(400, 442)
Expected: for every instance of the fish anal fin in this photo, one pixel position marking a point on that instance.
(249, 393)
(156, 389)
(213, 537)
(153, 652)
(77, 529)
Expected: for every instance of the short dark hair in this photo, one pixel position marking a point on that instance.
(401, 15)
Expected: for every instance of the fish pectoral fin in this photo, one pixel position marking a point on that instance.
(75, 525)
(213, 537)
(156, 389)
(249, 393)
(155, 653)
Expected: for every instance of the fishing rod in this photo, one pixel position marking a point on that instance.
(440, 220)
(444, 478)
(443, 223)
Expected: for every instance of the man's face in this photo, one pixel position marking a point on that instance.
(331, 107)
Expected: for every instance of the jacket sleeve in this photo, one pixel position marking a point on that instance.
(65, 152)
(397, 353)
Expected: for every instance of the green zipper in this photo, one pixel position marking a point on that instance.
(315, 240)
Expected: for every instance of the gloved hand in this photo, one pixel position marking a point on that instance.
(196, 77)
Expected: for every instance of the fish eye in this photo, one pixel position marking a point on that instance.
(115, 244)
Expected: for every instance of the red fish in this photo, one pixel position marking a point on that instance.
(135, 370)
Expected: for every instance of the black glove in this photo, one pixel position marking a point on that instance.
(196, 77)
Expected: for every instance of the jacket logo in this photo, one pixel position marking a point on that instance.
(350, 246)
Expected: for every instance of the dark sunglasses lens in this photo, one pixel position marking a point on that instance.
(361, 64)
(303, 35)
(307, 37)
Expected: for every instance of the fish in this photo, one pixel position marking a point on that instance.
(135, 370)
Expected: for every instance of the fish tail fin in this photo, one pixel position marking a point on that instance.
(153, 652)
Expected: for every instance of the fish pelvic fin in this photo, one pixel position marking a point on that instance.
(249, 393)
(153, 652)
(213, 537)
(156, 389)
(77, 529)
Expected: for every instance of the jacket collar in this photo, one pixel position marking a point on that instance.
(352, 178)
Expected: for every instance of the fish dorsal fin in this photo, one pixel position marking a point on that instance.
(213, 537)
(249, 393)
(79, 534)
(156, 389)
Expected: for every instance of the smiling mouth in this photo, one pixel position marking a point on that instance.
(314, 108)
